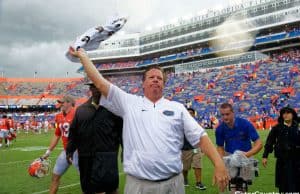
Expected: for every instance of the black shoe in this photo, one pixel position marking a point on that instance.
(186, 183)
(200, 186)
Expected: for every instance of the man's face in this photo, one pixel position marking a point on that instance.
(65, 106)
(227, 116)
(153, 83)
(58, 105)
(287, 116)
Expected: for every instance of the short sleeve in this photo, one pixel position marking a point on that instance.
(219, 136)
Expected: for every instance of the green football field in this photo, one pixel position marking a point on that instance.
(15, 160)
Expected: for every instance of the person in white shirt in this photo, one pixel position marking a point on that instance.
(46, 126)
(153, 132)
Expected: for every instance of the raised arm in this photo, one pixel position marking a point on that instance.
(99, 81)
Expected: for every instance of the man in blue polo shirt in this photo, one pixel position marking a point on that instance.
(236, 133)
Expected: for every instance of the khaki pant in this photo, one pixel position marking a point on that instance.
(191, 158)
(137, 186)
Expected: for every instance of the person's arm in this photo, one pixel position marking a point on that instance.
(264, 162)
(53, 144)
(268, 148)
(257, 146)
(221, 177)
(197, 137)
(99, 81)
(221, 151)
(120, 132)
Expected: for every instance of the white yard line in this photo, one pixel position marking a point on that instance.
(23, 161)
(63, 187)
(20, 161)
(26, 148)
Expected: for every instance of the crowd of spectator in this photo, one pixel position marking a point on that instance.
(257, 90)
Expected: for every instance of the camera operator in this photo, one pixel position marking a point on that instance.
(236, 134)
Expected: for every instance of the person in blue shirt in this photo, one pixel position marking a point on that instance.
(236, 133)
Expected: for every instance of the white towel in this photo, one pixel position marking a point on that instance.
(91, 39)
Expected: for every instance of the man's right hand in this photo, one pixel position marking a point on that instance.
(46, 155)
(77, 52)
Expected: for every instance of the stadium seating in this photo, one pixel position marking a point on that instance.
(261, 39)
(257, 88)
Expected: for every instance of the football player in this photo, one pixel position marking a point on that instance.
(63, 121)
(4, 129)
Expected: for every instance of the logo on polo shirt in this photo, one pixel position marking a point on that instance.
(168, 113)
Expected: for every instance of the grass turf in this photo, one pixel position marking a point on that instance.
(15, 160)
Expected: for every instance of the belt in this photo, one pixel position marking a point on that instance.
(166, 179)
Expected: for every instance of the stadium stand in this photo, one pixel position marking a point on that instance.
(259, 81)
(257, 89)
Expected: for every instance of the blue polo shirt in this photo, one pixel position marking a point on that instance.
(237, 138)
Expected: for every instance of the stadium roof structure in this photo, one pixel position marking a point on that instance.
(198, 32)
